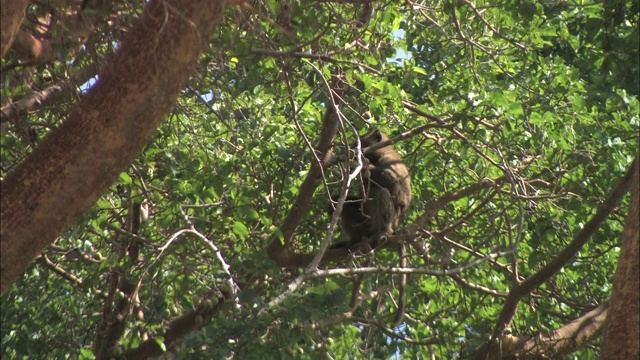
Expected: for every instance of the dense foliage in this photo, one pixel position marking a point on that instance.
(530, 115)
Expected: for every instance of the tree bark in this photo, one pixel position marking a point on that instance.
(621, 329)
(11, 17)
(77, 162)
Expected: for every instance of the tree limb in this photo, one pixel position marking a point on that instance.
(555, 264)
(75, 163)
(562, 341)
(33, 102)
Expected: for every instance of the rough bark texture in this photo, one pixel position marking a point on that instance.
(72, 166)
(621, 330)
(11, 17)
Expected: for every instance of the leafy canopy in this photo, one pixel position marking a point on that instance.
(534, 114)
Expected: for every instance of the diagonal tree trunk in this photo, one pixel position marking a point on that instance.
(72, 166)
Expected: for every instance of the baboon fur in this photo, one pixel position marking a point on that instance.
(375, 214)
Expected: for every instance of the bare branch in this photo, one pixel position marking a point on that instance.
(51, 95)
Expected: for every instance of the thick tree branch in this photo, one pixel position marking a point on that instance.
(51, 95)
(180, 327)
(562, 341)
(555, 264)
(447, 198)
(72, 166)
(280, 250)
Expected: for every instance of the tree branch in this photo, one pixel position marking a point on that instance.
(180, 327)
(527, 286)
(76, 162)
(562, 341)
(33, 102)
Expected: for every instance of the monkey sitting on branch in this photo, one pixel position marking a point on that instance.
(375, 213)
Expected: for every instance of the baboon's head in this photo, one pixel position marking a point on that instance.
(373, 137)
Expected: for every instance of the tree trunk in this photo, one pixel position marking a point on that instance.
(621, 329)
(77, 162)
(11, 17)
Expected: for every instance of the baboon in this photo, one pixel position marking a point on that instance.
(374, 214)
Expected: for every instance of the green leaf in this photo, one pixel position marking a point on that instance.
(515, 109)
(160, 342)
(86, 354)
(241, 230)
(419, 70)
(124, 179)
(535, 118)
(498, 99)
